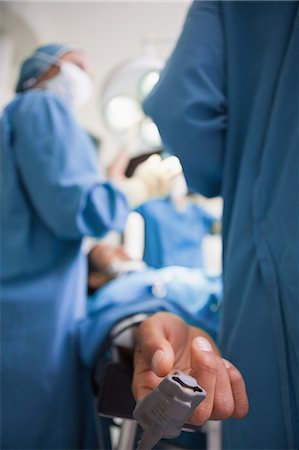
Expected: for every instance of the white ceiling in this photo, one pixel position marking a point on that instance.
(110, 32)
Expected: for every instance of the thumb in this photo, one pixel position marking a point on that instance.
(155, 349)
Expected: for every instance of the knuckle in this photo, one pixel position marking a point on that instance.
(209, 365)
(223, 407)
(200, 416)
(235, 376)
(241, 410)
(145, 325)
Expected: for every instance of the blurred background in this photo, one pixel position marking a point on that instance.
(109, 32)
(128, 44)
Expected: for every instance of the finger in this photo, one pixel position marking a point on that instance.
(223, 399)
(144, 380)
(171, 166)
(153, 161)
(238, 387)
(204, 369)
(148, 167)
(152, 340)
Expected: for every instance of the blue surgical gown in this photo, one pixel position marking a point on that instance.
(174, 237)
(190, 293)
(228, 105)
(50, 198)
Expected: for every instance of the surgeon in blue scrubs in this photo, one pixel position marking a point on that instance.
(51, 197)
(174, 231)
(227, 104)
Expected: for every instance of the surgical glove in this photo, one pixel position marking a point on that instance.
(168, 171)
(158, 174)
(152, 178)
(136, 191)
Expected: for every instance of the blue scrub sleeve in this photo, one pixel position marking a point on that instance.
(188, 104)
(57, 165)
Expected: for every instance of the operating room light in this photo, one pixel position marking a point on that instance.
(122, 113)
(148, 82)
(126, 87)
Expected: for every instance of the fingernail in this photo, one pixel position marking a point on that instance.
(227, 364)
(158, 355)
(203, 344)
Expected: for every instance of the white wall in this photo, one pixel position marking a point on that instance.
(109, 32)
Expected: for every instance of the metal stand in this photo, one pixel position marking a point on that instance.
(127, 435)
(213, 431)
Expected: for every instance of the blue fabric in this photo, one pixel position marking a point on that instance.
(39, 62)
(50, 198)
(227, 105)
(173, 237)
(190, 293)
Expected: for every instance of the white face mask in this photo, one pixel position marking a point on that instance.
(72, 84)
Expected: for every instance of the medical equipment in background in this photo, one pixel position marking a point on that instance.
(121, 101)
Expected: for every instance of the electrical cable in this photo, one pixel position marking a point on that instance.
(164, 411)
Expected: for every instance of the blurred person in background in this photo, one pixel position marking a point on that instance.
(52, 196)
(120, 287)
(173, 226)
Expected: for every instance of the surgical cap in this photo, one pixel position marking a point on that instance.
(38, 63)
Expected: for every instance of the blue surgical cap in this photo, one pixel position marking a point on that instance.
(38, 63)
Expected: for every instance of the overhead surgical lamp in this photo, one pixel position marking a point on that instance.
(126, 87)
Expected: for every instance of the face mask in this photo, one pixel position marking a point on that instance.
(72, 84)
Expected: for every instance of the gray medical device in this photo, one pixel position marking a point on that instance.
(164, 411)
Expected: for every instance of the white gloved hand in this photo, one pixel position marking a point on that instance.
(152, 178)
(158, 174)
(168, 171)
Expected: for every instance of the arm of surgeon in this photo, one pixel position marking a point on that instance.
(165, 343)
